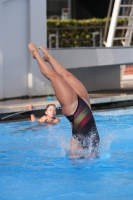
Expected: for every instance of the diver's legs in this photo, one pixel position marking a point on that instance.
(64, 93)
(67, 76)
(75, 149)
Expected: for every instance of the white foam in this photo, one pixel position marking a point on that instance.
(105, 144)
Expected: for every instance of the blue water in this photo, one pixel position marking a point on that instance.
(34, 162)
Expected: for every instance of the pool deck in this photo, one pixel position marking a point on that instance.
(96, 98)
(99, 100)
(102, 101)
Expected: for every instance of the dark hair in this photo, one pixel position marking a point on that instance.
(48, 107)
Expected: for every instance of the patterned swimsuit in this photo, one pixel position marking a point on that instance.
(83, 126)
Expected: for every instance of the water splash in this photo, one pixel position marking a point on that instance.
(105, 145)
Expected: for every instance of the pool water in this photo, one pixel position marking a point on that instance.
(35, 164)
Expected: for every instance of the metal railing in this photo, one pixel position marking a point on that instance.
(89, 36)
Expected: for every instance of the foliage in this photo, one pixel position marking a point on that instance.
(77, 33)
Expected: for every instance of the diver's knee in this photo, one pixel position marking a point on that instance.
(53, 75)
(66, 74)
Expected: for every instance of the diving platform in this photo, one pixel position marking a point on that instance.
(93, 57)
(97, 68)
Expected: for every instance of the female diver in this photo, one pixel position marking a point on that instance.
(49, 116)
(75, 103)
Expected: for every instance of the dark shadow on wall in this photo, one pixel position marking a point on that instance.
(98, 78)
(89, 9)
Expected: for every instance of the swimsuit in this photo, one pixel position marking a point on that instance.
(84, 128)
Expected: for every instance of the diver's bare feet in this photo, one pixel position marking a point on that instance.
(47, 55)
(33, 49)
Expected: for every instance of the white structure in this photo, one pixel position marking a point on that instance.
(21, 21)
(128, 14)
(96, 68)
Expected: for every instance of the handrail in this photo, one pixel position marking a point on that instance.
(107, 21)
(128, 9)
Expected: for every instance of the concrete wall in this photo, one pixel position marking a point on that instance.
(14, 48)
(96, 68)
(98, 78)
(93, 57)
(21, 21)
